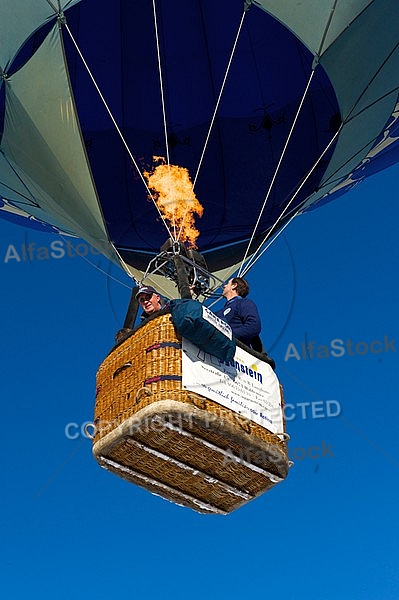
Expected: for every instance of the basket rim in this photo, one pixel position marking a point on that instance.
(168, 408)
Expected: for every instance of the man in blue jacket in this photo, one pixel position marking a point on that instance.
(240, 312)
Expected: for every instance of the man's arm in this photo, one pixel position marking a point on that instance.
(250, 321)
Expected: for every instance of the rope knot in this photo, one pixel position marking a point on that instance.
(61, 18)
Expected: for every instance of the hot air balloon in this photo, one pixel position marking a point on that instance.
(272, 109)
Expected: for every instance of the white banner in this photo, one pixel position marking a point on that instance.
(246, 385)
(217, 322)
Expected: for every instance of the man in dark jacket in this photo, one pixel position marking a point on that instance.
(149, 300)
(151, 303)
(239, 311)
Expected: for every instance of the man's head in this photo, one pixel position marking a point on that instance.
(149, 299)
(237, 286)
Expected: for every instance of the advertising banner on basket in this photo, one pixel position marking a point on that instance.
(246, 385)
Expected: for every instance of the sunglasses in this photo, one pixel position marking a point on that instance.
(145, 298)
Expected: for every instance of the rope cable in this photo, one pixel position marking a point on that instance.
(255, 257)
(220, 95)
(216, 107)
(161, 80)
(327, 27)
(315, 63)
(162, 99)
(57, 11)
(116, 126)
(277, 169)
(253, 260)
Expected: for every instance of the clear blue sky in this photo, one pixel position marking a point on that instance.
(329, 532)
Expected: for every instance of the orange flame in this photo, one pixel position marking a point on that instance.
(173, 192)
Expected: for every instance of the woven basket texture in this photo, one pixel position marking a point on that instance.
(174, 442)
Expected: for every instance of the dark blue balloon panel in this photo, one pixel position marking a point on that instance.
(268, 76)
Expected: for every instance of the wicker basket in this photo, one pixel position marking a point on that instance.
(175, 443)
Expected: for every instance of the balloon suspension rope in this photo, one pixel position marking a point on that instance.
(117, 127)
(276, 172)
(177, 238)
(220, 94)
(251, 262)
(174, 238)
(218, 102)
(256, 256)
